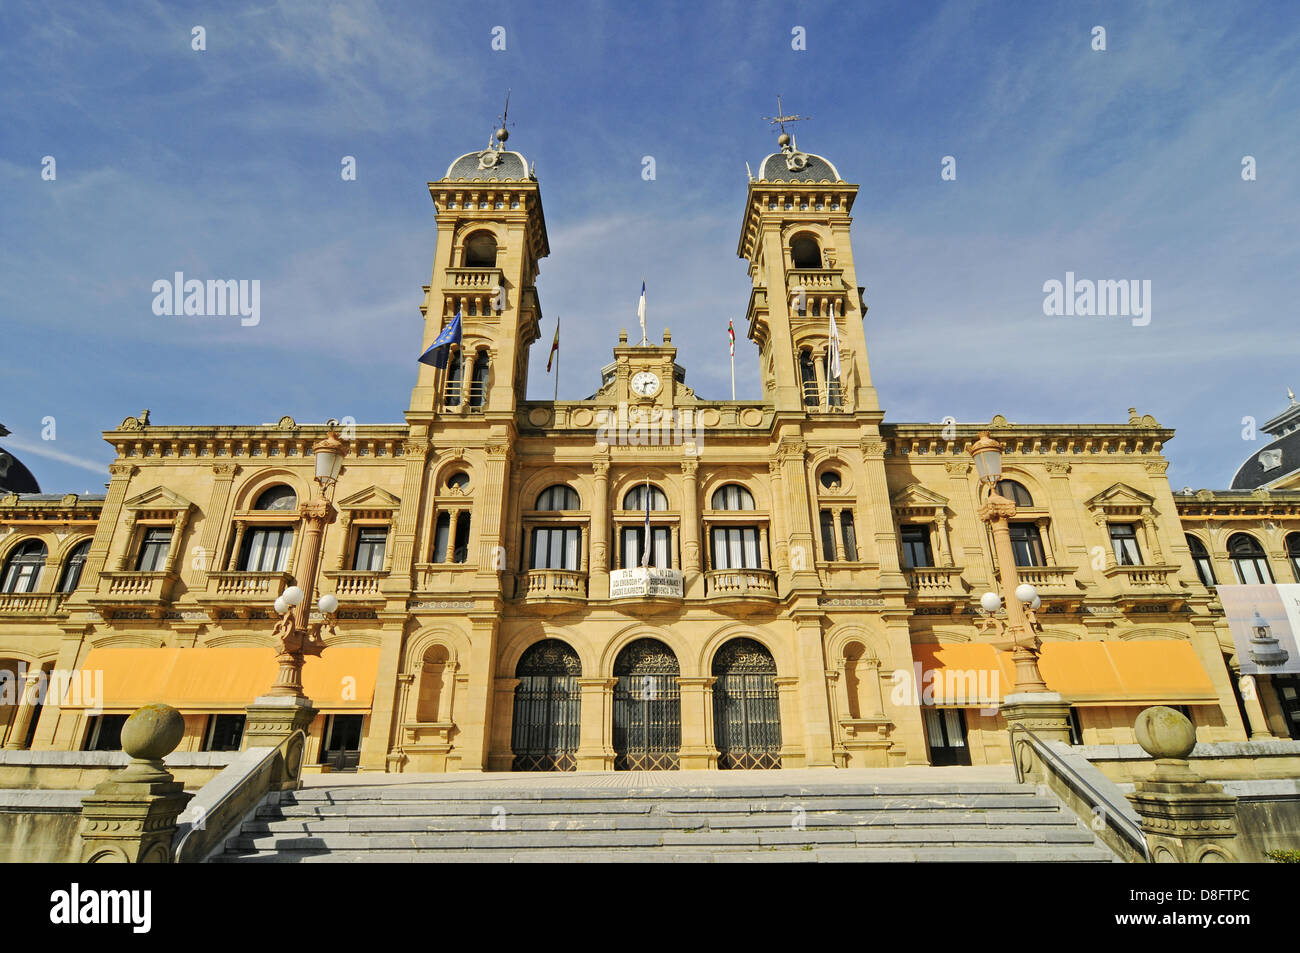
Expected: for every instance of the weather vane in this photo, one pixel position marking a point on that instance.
(795, 160)
(780, 119)
(490, 156)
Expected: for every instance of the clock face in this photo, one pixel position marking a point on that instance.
(645, 384)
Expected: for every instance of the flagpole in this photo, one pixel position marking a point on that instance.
(733, 373)
(556, 399)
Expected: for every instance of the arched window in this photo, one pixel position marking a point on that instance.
(831, 481)
(805, 252)
(1293, 554)
(481, 250)
(72, 567)
(458, 481)
(455, 368)
(733, 496)
(1015, 492)
(1248, 560)
(23, 568)
(279, 497)
(808, 375)
(558, 497)
(478, 381)
(1201, 559)
(634, 499)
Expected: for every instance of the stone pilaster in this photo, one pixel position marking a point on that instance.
(698, 749)
(595, 750)
(215, 519)
(693, 580)
(598, 568)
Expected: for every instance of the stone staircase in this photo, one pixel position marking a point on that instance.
(750, 816)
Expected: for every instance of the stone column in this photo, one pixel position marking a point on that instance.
(812, 691)
(238, 544)
(500, 754)
(131, 818)
(598, 576)
(780, 552)
(595, 751)
(215, 519)
(693, 581)
(477, 729)
(787, 693)
(941, 537)
(819, 369)
(698, 750)
(27, 701)
(1185, 818)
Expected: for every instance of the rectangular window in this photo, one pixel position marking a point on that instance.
(1027, 544)
(441, 535)
(828, 536)
(1205, 570)
(266, 549)
(460, 552)
(105, 733)
(1123, 539)
(369, 554)
(916, 547)
(735, 547)
(556, 547)
(153, 549)
(850, 536)
(661, 550)
(225, 733)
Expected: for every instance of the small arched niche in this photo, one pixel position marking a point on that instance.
(434, 685)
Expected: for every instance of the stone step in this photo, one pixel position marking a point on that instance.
(1032, 853)
(483, 820)
(293, 807)
(492, 789)
(565, 839)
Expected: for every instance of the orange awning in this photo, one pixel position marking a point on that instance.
(1158, 672)
(220, 679)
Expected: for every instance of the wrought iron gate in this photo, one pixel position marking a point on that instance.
(746, 708)
(548, 706)
(647, 708)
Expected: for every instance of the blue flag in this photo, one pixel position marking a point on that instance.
(436, 356)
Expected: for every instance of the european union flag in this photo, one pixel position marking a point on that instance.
(436, 356)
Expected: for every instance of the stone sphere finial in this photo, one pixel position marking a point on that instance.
(152, 732)
(1165, 733)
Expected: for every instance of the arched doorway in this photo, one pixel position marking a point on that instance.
(746, 707)
(647, 707)
(548, 706)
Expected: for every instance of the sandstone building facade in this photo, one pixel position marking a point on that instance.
(814, 571)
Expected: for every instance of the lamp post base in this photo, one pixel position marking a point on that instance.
(273, 719)
(1046, 714)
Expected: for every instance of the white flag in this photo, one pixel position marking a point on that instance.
(835, 347)
(640, 310)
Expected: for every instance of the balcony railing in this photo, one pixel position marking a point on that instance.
(350, 584)
(31, 604)
(552, 583)
(815, 280)
(740, 582)
(474, 279)
(1047, 578)
(126, 587)
(1142, 577)
(935, 580)
(239, 585)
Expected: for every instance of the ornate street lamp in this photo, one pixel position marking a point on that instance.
(295, 638)
(1020, 630)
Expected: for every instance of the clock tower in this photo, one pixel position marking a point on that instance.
(645, 377)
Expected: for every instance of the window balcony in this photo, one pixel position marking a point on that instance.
(245, 593)
(122, 588)
(475, 279)
(740, 588)
(545, 587)
(1048, 579)
(1141, 577)
(357, 586)
(30, 605)
(936, 582)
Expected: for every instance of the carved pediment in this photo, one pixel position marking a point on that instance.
(1120, 496)
(371, 498)
(914, 496)
(159, 498)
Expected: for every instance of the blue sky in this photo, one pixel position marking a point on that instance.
(225, 164)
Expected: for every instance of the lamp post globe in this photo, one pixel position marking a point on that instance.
(991, 602)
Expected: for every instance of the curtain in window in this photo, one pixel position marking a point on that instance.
(556, 547)
(736, 547)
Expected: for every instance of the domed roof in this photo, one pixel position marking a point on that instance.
(795, 166)
(14, 477)
(1277, 459)
(490, 164)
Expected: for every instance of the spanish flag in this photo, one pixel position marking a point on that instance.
(555, 346)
